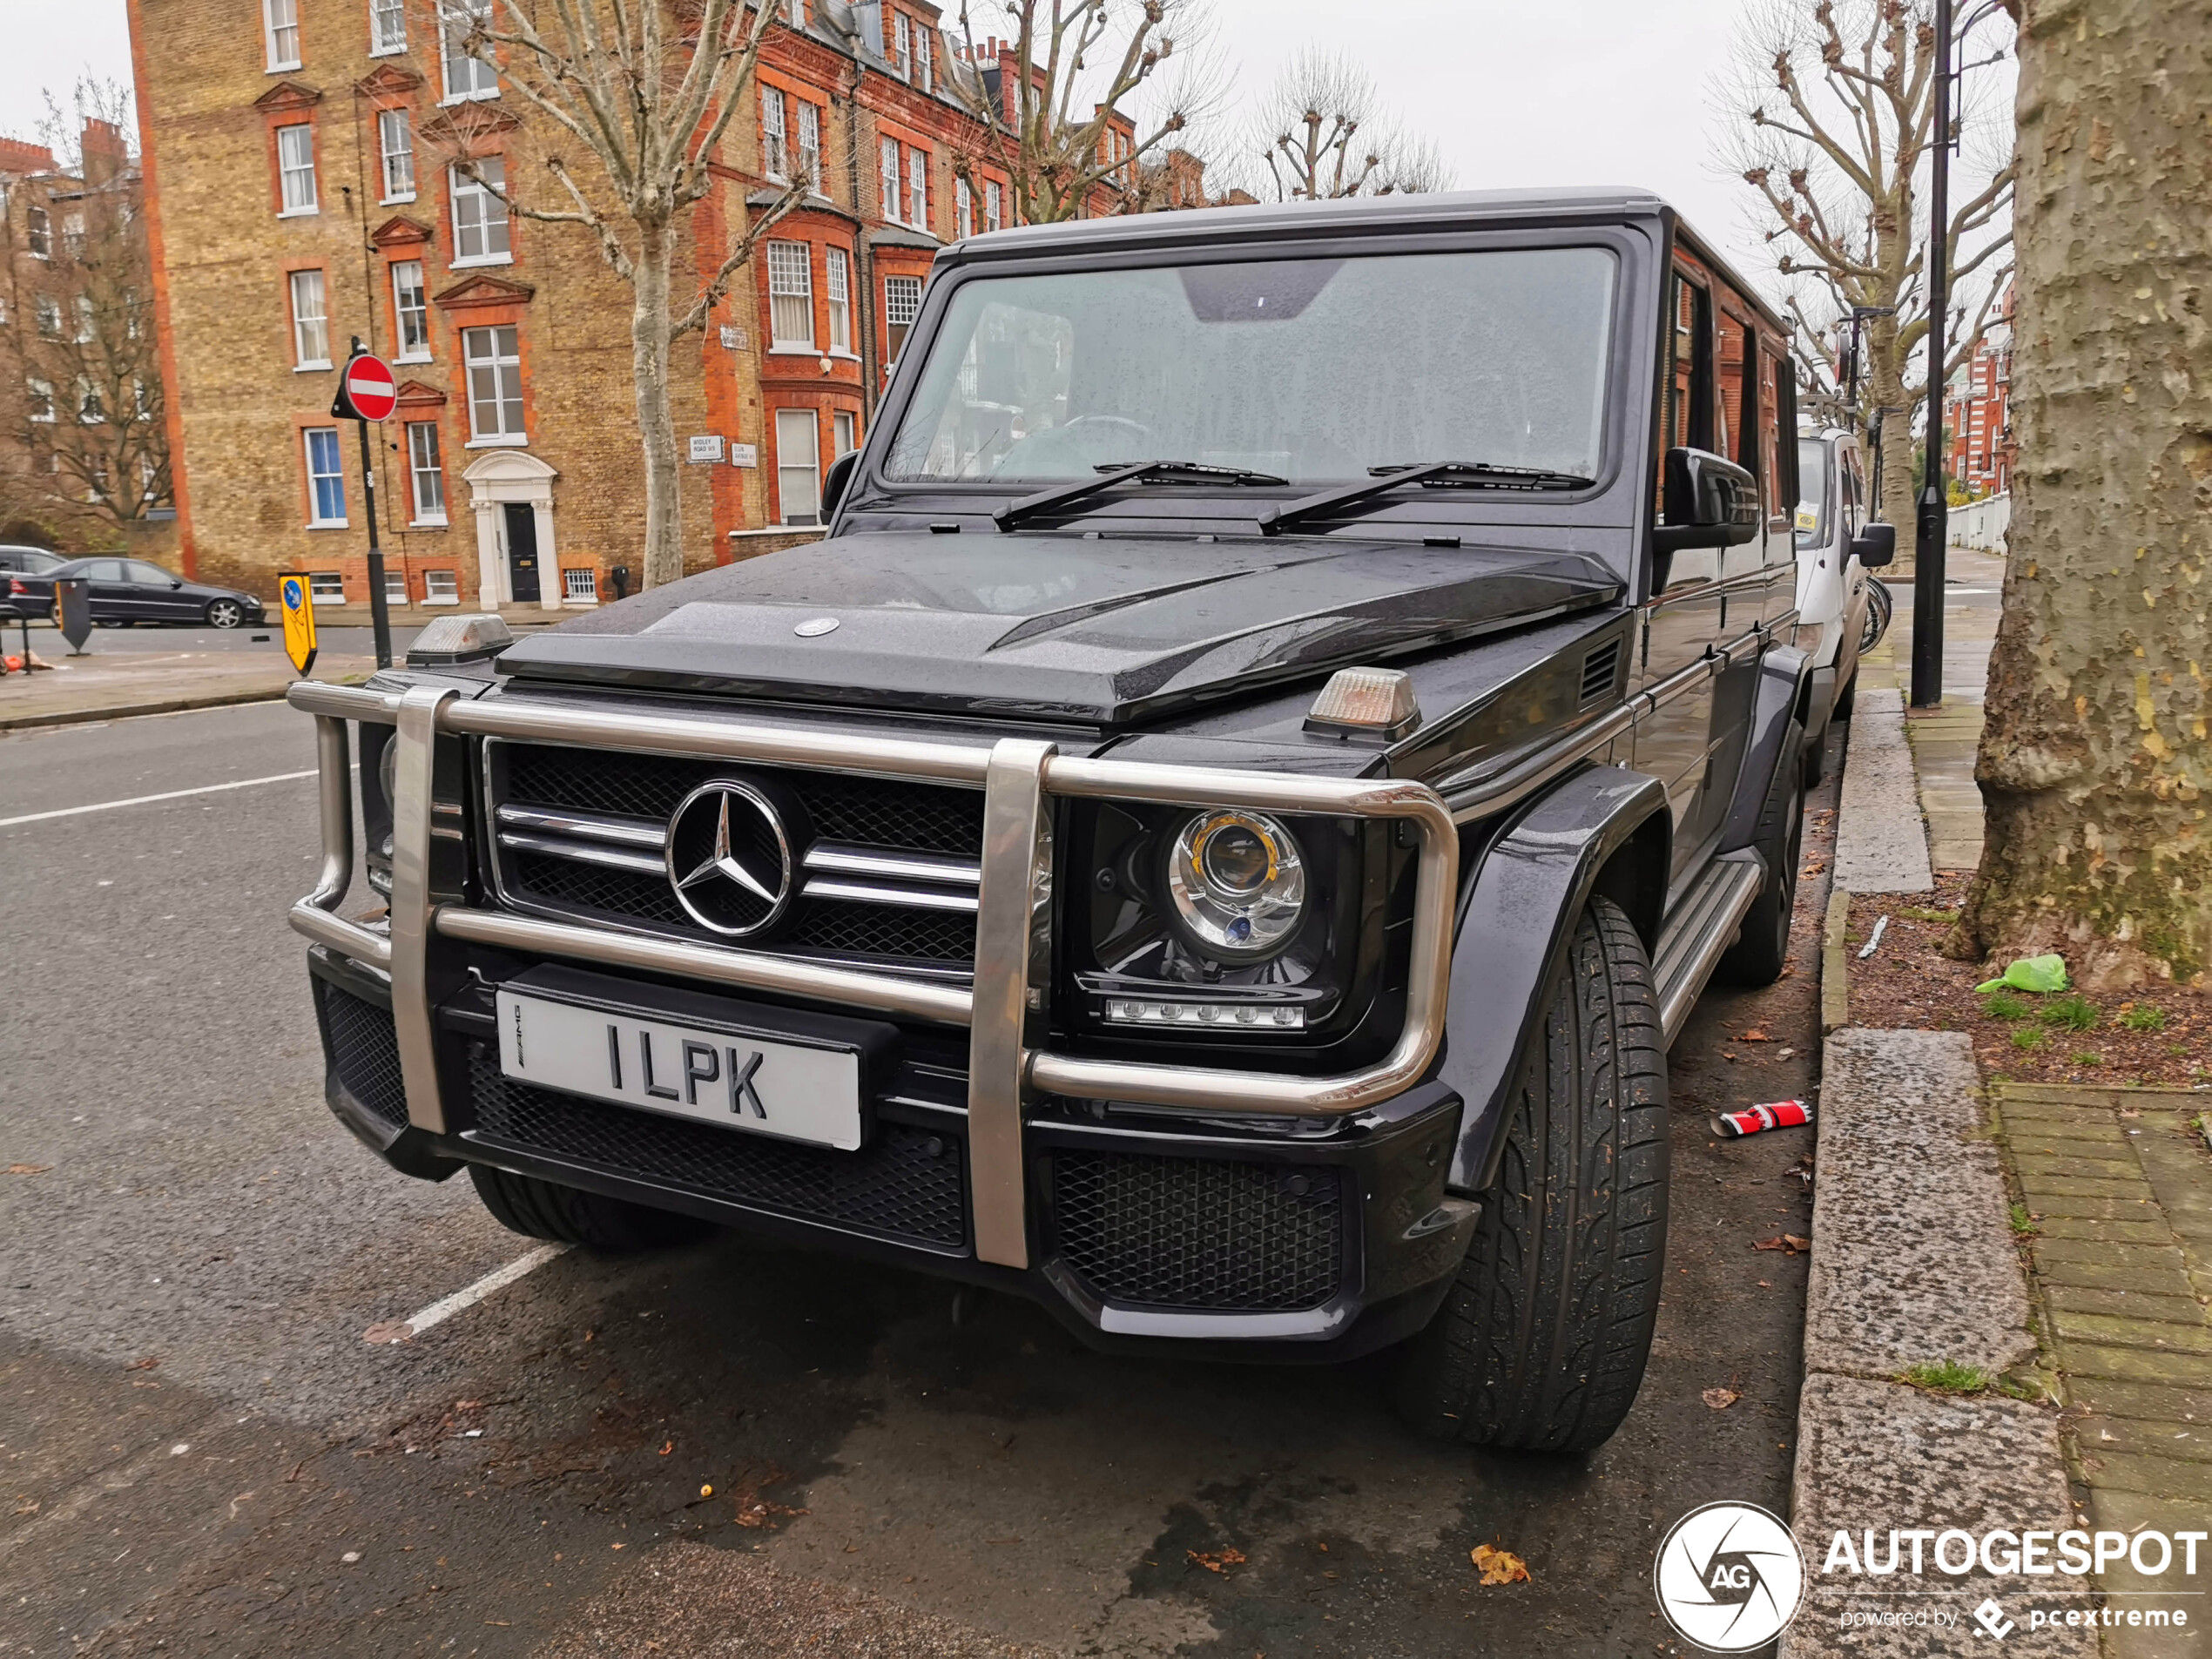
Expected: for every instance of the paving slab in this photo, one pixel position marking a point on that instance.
(1913, 1256)
(1881, 844)
(1881, 1455)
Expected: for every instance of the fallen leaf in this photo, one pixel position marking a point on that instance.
(29, 1169)
(1499, 1566)
(1764, 1286)
(1720, 1399)
(1778, 1242)
(666, 1446)
(146, 1364)
(1725, 1054)
(1219, 1560)
(1756, 1035)
(1795, 1243)
(1785, 1054)
(386, 1331)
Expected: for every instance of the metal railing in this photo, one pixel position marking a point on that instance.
(1006, 1061)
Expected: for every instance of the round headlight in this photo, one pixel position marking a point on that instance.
(1237, 882)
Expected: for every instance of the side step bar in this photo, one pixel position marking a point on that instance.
(1704, 925)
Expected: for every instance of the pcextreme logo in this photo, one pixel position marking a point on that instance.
(1729, 1577)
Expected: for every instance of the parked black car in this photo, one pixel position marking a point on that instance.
(1288, 716)
(20, 593)
(125, 591)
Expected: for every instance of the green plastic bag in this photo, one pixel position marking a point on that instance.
(2042, 973)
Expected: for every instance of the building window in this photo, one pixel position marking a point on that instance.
(387, 25)
(49, 316)
(396, 587)
(903, 44)
(993, 202)
(88, 325)
(73, 235)
(963, 209)
(424, 474)
(42, 400)
(918, 188)
(325, 479)
(281, 23)
(296, 168)
(771, 132)
(902, 305)
(791, 296)
(845, 428)
(479, 216)
(889, 155)
(411, 308)
(580, 585)
(326, 588)
(395, 139)
(798, 487)
(838, 269)
(810, 144)
(925, 70)
(441, 588)
(39, 232)
(495, 364)
(89, 410)
(310, 321)
(466, 76)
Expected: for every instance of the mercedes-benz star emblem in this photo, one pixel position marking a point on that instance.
(729, 859)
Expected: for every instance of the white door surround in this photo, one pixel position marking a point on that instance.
(494, 478)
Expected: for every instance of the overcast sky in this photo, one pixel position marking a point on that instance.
(1599, 92)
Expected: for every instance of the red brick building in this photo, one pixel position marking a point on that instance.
(298, 161)
(1978, 413)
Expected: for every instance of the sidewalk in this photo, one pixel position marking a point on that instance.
(122, 684)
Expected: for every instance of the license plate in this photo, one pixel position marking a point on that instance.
(793, 1091)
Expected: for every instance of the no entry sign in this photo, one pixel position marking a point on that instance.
(365, 392)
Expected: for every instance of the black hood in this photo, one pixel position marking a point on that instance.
(1053, 627)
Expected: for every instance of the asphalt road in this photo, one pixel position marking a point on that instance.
(200, 1454)
(148, 638)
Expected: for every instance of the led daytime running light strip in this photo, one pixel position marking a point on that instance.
(1121, 1010)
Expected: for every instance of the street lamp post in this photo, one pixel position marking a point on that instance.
(1931, 527)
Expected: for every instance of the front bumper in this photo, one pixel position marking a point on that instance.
(1250, 1212)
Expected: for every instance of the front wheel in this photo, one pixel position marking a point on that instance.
(1541, 1341)
(539, 1209)
(225, 613)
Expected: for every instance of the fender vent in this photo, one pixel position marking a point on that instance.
(1601, 669)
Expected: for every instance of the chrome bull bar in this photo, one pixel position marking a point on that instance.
(1007, 1062)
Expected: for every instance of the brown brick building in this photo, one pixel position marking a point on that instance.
(298, 163)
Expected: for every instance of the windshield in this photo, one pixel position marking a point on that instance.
(1813, 469)
(1311, 370)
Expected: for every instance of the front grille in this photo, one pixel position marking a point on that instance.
(857, 813)
(1200, 1233)
(904, 1184)
(364, 1051)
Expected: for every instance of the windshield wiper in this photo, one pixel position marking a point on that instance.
(1015, 513)
(1474, 474)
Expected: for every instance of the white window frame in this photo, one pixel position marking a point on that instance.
(498, 362)
(476, 79)
(887, 177)
(387, 27)
(908, 289)
(397, 162)
(280, 31)
(442, 587)
(316, 521)
(963, 209)
(790, 278)
(39, 232)
(845, 432)
(579, 585)
(88, 324)
(902, 48)
(481, 203)
(925, 64)
(91, 410)
(48, 311)
(326, 587)
(411, 323)
(810, 143)
(73, 235)
(917, 187)
(42, 400)
(775, 138)
(296, 170)
(793, 420)
(425, 466)
(994, 205)
(837, 287)
(310, 320)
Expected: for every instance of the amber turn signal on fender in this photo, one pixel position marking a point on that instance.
(1364, 703)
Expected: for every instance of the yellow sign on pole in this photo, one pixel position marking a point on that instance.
(298, 603)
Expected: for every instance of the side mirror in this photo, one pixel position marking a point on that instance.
(836, 481)
(1711, 501)
(176, 582)
(1875, 545)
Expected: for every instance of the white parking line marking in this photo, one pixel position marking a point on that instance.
(147, 800)
(499, 1278)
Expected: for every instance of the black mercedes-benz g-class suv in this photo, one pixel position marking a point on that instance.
(1292, 708)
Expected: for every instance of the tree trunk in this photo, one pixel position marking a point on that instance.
(1886, 390)
(2094, 767)
(648, 352)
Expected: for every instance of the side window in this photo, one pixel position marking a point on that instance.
(1686, 418)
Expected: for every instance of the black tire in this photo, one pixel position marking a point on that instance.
(1762, 949)
(539, 1209)
(1540, 1343)
(225, 613)
(1846, 697)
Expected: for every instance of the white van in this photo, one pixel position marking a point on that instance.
(1841, 612)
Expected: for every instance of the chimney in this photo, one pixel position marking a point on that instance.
(18, 158)
(103, 146)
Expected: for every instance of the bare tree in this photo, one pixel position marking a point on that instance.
(92, 424)
(1836, 111)
(645, 90)
(1049, 102)
(1321, 136)
(2095, 765)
